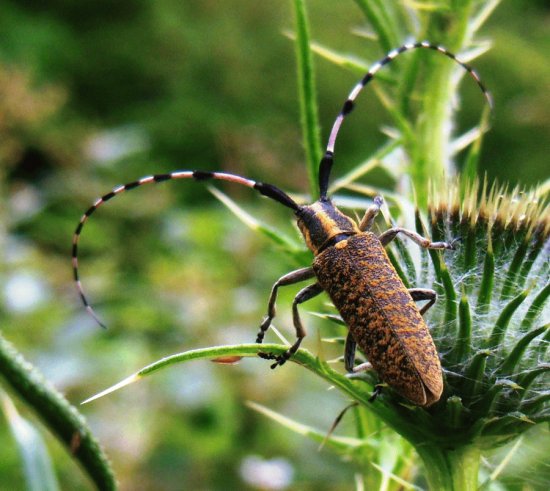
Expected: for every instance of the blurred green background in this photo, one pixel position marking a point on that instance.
(98, 93)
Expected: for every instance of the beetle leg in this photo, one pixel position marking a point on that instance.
(363, 367)
(376, 392)
(423, 294)
(370, 214)
(349, 357)
(305, 294)
(288, 279)
(390, 234)
(349, 353)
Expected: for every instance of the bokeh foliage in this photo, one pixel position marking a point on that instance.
(93, 94)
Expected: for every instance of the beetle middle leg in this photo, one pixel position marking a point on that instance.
(349, 357)
(390, 234)
(423, 294)
(349, 362)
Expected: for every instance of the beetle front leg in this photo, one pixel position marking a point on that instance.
(423, 294)
(288, 279)
(304, 295)
(390, 234)
(370, 214)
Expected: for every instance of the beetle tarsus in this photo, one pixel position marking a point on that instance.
(376, 392)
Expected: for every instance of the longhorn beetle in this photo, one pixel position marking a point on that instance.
(350, 264)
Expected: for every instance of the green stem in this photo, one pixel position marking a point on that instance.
(431, 147)
(451, 469)
(62, 419)
(432, 154)
(307, 95)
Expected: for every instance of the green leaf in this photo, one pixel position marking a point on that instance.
(500, 467)
(473, 375)
(455, 411)
(340, 444)
(37, 464)
(62, 419)
(349, 62)
(512, 360)
(397, 265)
(381, 23)
(463, 343)
(501, 325)
(511, 282)
(526, 379)
(487, 281)
(406, 259)
(403, 484)
(536, 247)
(424, 258)
(332, 318)
(487, 401)
(450, 293)
(291, 247)
(509, 422)
(358, 390)
(484, 13)
(535, 309)
(535, 403)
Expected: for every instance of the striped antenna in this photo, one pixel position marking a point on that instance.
(328, 159)
(268, 190)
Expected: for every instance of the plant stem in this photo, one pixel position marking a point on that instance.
(432, 155)
(62, 419)
(451, 469)
(431, 148)
(307, 96)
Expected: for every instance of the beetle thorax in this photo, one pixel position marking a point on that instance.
(322, 225)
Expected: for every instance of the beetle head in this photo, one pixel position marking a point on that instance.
(321, 223)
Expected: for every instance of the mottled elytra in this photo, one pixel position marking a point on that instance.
(351, 265)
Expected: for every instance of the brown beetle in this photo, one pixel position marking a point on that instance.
(351, 265)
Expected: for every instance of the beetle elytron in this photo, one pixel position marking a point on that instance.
(351, 265)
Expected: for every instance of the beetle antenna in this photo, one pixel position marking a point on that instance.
(328, 159)
(268, 190)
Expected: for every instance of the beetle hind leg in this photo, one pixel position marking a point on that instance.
(288, 279)
(376, 392)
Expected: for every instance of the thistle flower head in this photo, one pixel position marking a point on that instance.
(491, 326)
(490, 323)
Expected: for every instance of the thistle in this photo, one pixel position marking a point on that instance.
(489, 325)
(491, 329)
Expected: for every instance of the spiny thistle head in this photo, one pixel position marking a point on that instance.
(490, 324)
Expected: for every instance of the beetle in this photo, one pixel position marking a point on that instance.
(350, 265)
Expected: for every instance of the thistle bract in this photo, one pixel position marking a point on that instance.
(491, 325)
